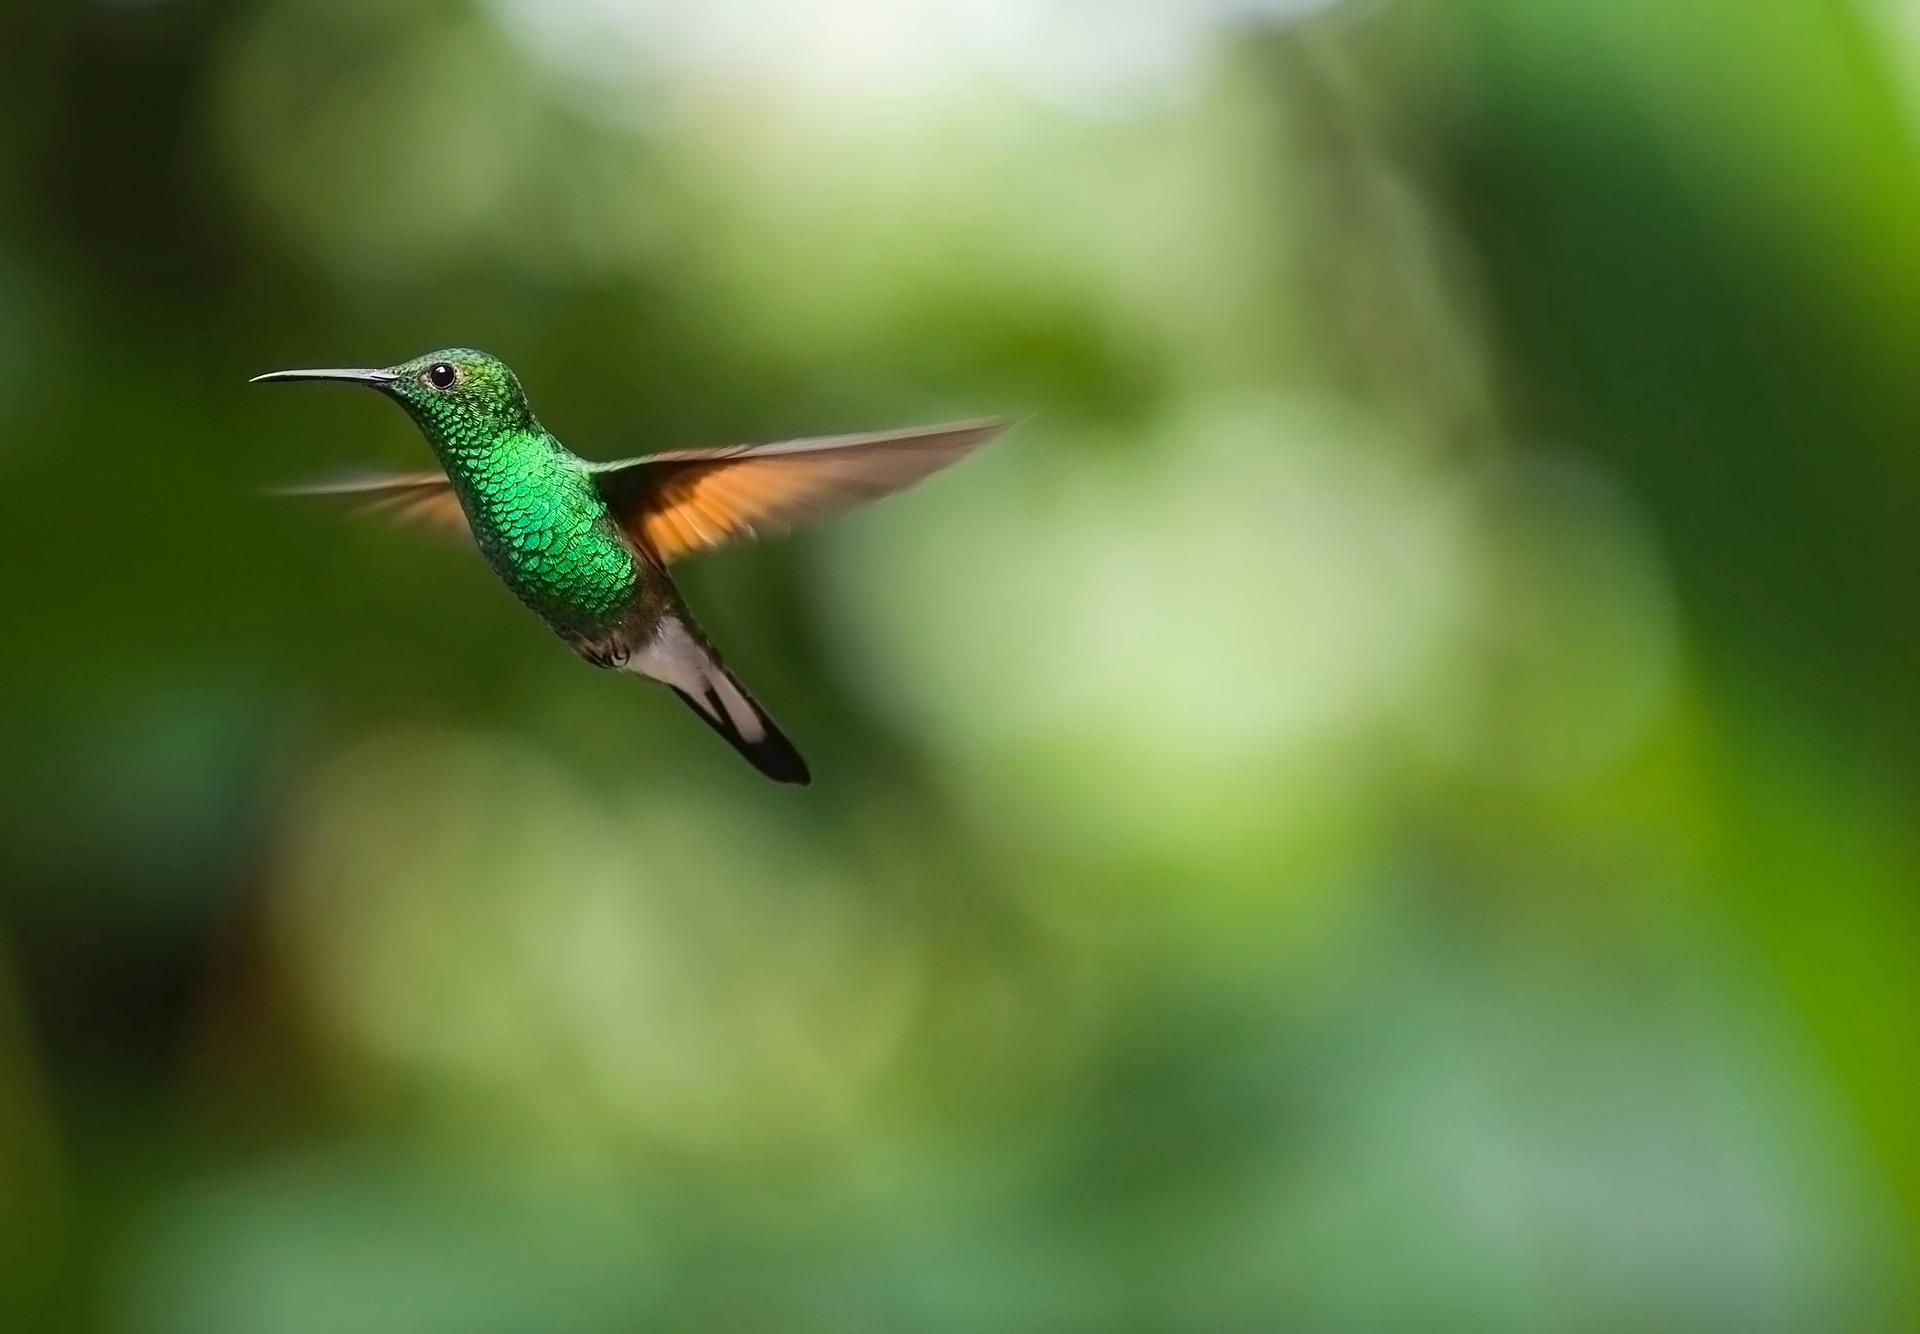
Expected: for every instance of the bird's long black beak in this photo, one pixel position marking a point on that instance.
(377, 379)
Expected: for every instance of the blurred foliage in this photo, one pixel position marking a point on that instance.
(1386, 805)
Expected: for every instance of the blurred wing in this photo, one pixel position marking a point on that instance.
(691, 500)
(424, 498)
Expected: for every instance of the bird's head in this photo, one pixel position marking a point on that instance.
(461, 399)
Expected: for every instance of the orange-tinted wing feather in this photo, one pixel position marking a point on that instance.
(692, 500)
(424, 498)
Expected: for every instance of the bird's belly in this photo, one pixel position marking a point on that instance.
(576, 576)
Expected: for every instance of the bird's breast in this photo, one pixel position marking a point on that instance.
(558, 551)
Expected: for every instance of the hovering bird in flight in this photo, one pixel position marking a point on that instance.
(586, 545)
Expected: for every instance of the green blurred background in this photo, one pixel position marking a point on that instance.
(1388, 805)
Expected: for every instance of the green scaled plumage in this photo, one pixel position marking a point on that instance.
(586, 546)
(534, 509)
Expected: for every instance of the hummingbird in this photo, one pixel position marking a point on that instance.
(587, 546)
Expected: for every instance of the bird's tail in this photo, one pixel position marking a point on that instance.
(728, 709)
(686, 663)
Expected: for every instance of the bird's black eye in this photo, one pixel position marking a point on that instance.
(442, 376)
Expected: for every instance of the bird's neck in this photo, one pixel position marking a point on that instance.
(507, 467)
(463, 439)
(477, 449)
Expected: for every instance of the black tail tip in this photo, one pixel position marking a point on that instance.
(777, 759)
(772, 754)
